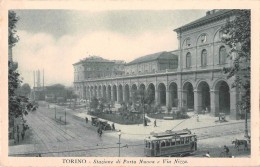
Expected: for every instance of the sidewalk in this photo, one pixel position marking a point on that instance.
(140, 131)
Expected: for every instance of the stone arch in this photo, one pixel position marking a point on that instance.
(91, 92)
(99, 94)
(109, 90)
(104, 91)
(95, 90)
(185, 44)
(203, 96)
(120, 93)
(114, 93)
(162, 94)
(173, 94)
(151, 91)
(142, 86)
(222, 97)
(133, 91)
(126, 93)
(216, 36)
(84, 92)
(198, 42)
(188, 95)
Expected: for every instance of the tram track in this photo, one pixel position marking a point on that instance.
(72, 136)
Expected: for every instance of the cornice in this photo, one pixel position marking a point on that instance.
(203, 22)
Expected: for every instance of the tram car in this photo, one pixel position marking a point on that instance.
(170, 143)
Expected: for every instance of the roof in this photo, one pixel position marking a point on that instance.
(209, 16)
(94, 59)
(151, 57)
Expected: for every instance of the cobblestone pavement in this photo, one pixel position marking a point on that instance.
(52, 138)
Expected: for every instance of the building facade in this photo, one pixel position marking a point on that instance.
(191, 76)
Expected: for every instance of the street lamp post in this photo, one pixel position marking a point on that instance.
(119, 137)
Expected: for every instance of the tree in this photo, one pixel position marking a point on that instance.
(24, 90)
(18, 105)
(236, 34)
(94, 103)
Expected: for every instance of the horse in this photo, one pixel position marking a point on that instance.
(238, 143)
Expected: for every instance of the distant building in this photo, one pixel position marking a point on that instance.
(190, 77)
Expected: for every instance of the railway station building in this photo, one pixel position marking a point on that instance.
(191, 76)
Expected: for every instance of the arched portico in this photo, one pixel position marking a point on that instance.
(126, 93)
(114, 93)
(202, 97)
(221, 99)
(133, 92)
(109, 93)
(188, 95)
(151, 91)
(162, 94)
(173, 95)
(104, 92)
(120, 94)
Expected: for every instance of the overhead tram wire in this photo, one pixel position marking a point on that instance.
(183, 121)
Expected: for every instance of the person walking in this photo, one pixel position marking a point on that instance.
(23, 133)
(226, 150)
(198, 118)
(113, 126)
(86, 120)
(154, 123)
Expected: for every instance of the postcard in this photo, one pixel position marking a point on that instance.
(129, 83)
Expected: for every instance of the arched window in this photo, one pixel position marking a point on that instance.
(188, 60)
(204, 57)
(222, 55)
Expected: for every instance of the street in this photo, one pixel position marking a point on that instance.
(52, 138)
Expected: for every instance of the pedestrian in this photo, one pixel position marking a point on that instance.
(198, 118)
(113, 126)
(226, 150)
(86, 120)
(23, 133)
(99, 131)
(155, 125)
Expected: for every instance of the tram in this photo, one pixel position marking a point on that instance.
(170, 143)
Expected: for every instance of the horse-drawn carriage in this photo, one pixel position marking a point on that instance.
(101, 124)
(94, 121)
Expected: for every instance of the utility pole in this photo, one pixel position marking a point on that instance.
(43, 84)
(246, 126)
(65, 116)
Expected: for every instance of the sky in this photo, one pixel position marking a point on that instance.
(55, 39)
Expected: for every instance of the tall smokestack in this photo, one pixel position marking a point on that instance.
(43, 78)
(33, 79)
(38, 78)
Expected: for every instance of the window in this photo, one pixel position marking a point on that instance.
(188, 60)
(222, 55)
(204, 57)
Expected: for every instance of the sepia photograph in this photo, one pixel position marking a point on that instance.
(170, 84)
